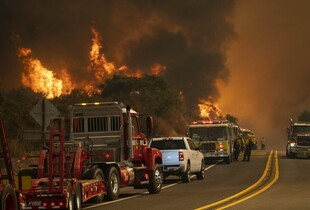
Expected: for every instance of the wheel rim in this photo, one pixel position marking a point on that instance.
(114, 183)
(99, 177)
(158, 178)
(189, 172)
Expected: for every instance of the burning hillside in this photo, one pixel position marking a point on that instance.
(47, 82)
(209, 110)
(188, 51)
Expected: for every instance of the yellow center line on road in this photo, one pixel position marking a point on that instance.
(261, 190)
(249, 188)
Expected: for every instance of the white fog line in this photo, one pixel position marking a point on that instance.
(144, 193)
(130, 197)
(209, 167)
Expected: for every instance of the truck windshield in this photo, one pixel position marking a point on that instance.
(208, 133)
(168, 144)
(301, 129)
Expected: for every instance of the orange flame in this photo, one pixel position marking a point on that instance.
(99, 64)
(40, 79)
(209, 110)
(157, 69)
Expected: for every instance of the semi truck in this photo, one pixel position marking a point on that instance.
(101, 151)
(298, 139)
(117, 145)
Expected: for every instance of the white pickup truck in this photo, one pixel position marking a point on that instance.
(180, 157)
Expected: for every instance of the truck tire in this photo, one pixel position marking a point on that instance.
(186, 175)
(227, 160)
(201, 174)
(8, 199)
(70, 196)
(292, 155)
(113, 183)
(94, 173)
(156, 180)
(78, 197)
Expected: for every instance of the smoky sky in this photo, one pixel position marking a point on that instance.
(188, 37)
(269, 64)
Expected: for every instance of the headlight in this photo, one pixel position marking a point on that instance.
(293, 144)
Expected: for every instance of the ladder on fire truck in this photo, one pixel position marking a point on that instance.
(6, 158)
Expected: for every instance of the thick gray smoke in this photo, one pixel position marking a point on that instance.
(188, 37)
(269, 65)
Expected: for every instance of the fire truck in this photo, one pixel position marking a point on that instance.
(215, 139)
(117, 146)
(8, 194)
(298, 142)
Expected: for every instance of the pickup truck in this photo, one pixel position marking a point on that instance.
(180, 157)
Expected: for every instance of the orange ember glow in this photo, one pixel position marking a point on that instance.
(22, 52)
(208, 110)
(157, 69)
(40, 79)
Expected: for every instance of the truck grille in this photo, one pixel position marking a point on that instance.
(303, 140)
(207, 147)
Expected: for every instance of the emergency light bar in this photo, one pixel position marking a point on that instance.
(209, 122)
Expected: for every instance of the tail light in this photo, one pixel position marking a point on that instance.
(221, 146)
(107, 155)
(181, 156)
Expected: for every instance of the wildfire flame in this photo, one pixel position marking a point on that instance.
(40, 79)
(99, 64)
(209, 110)
(157, 69)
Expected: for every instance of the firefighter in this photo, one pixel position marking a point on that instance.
(248, 146)
(237, 147)
(263, 145)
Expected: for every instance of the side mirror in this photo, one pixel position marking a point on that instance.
(149, 126)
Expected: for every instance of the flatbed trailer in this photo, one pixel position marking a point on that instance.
(8, 193)
(59, 182)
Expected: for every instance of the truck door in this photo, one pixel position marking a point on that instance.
(195, 161)
(139, 139)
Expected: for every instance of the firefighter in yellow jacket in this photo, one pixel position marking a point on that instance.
(238, 144)
(249, 144)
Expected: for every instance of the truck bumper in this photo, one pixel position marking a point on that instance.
(173, 169)
(215, 156)
(301, 151)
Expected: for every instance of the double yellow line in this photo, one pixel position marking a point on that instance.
(226, 200)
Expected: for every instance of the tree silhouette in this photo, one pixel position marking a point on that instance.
(304, 116)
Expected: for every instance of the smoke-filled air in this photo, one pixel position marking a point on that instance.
(246, 58)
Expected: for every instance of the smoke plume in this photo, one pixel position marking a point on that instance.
(188, 38)
(269, 66)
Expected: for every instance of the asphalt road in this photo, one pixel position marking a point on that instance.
(290, 191)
